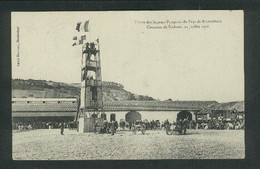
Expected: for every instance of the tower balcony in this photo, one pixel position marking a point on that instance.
(95, 104)
(91, 65)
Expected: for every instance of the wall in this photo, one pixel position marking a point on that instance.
(150, 115)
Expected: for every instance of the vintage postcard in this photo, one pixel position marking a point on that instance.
(124, 85)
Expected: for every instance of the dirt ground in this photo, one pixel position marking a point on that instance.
(47, 144)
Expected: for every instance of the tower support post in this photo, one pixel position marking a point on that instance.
(91, 101)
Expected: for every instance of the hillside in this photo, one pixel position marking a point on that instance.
(48, 89)
(238, 105)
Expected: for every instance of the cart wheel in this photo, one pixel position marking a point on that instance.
(169, 131)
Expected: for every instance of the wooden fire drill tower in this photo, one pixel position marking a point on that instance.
(91, 102)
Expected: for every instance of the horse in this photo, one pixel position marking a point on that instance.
(72, 125)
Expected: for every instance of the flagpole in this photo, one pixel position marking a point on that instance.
(102, 110)
(89, 32)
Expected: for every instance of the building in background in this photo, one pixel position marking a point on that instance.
(55, 110)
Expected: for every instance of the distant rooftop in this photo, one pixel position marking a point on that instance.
(70, 105)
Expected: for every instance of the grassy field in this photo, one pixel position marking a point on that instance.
(197, 144)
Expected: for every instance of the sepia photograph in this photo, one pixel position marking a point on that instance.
(128, 85)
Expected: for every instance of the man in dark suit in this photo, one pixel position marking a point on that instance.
(130, 125)
(62, 126)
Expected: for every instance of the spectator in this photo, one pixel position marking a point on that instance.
(206, 126)
(29, 127)
(197, 126)
(19, 127)
(61, 128)
(130, 125)
(95, 127)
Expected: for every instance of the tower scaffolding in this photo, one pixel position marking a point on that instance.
(91, 99)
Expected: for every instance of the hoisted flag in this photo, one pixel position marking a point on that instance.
(81, 41)
(86, 26)
(77, 42)
(78, 26)
(74, 44)
(84, 37)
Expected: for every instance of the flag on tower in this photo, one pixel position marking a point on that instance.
(78, 26)
(80, 41)
(84, 37)
(86, 26)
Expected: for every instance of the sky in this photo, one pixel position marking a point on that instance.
(177, 63)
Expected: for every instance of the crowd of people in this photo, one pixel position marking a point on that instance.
(151, 125)
(37, 125)
(106, 127)
(217, 123)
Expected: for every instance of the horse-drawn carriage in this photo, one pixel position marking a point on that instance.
(179, 127)
(72, 125)
(139, 126)
(108, 127)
